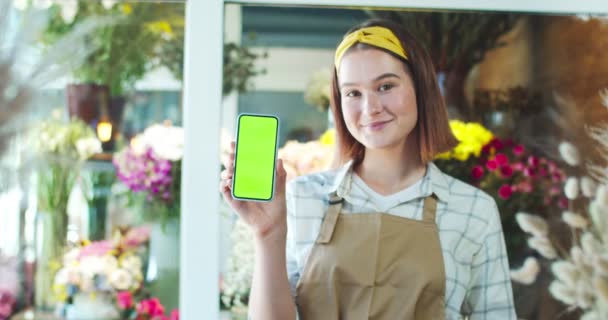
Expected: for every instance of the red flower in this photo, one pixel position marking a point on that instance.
(506, 171)
(533, 161)
(487, 148)
(496, 143)
(502, 159)
(505, 191)
(492, 165)
(518, 150)
(477, 172)
(124, 299)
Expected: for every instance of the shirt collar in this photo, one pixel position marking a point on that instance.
(434, 181)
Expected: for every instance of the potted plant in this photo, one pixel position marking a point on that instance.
(123, 51)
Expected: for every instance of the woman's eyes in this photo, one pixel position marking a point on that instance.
(353, 93)
(381, 88)
(386, 86)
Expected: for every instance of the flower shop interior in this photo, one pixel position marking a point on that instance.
(115, 115)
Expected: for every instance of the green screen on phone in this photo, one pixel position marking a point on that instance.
(255, 156)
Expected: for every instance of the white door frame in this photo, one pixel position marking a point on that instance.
(202, 101)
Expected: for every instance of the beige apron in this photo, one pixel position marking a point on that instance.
(374, 266)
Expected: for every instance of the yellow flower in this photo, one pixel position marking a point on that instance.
(162, 27)
(127, 9)
(328, 138)
(60, 291)
(471, 137)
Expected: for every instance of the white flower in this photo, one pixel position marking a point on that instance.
(588, 186)
(542, 246)
(86, 283)
(569, 153)
(574, 220)
(562, 292)
(42, 4)
(571, 188)
(565, 272)
(527, 273)
(92, 265)
(108, 4)
(591, 315)
(121, 279)
(532, 224)
(602, 196)
(69, 9)
(20, 4)
(601, 265)
(166, 141)
(110, 263)
(61, 277)
(87, 147)
(590, 245)
(131, 263)
(601, 287)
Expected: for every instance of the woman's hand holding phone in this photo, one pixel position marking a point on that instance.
(267, 220)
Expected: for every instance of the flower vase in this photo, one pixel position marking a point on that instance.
(163, 266)
(51, 239)
(91, 306)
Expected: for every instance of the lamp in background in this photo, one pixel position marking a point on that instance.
(104, 131)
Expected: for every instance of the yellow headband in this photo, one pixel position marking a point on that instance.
(375, 36)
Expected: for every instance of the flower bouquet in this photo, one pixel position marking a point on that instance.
(61, 149)
(518, 179)
(93, 272)
(151, 168)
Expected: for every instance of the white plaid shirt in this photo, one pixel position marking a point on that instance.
(470, 232)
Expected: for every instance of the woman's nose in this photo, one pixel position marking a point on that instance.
(371, 103)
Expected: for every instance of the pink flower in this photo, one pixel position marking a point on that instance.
(505, 191)
(136, 236)
(529, 172)
(97, 248)
(555, 191)
(477, 172)
(502, 159)
(174, 315)
(563, 203)
(518, 150)
(151, 307)
(492, 165)
(506, 171)
(525, 187)
(533, 161)
(124, 300)
(542, 172)
(518, 166)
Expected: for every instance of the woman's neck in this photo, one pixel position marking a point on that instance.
(391, 170)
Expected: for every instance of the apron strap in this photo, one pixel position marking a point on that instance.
(430, 208)
(329, 222)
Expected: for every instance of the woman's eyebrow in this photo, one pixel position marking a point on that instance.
(378, 78)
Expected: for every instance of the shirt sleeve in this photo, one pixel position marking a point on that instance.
(293, 272)
(490, 295)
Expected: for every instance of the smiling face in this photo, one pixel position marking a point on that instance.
(378, 98)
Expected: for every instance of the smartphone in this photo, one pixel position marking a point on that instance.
(255, 157)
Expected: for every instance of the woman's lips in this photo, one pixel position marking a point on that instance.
(377, 125)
